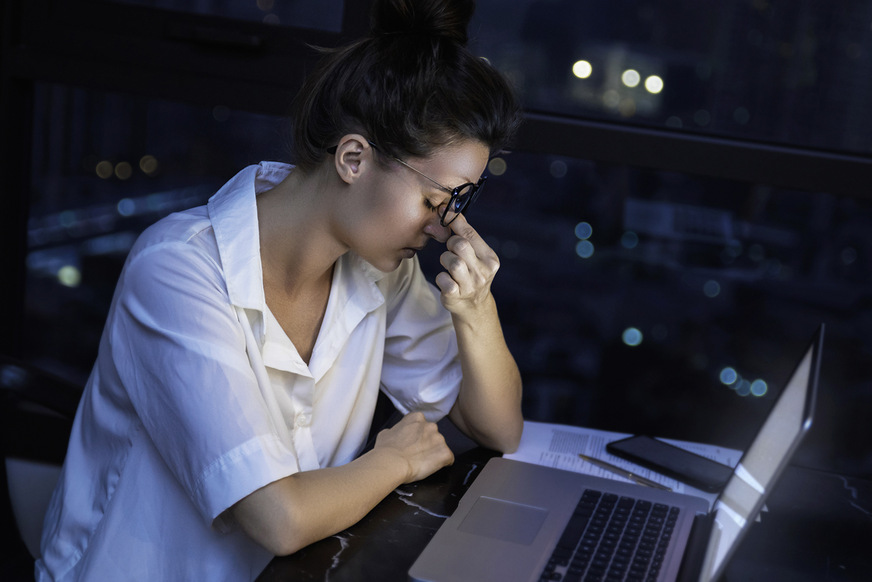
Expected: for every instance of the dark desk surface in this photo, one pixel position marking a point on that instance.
(818, 528)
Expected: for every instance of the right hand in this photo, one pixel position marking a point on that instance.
(419, 443)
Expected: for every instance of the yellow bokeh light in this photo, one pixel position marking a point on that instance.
(69, 276)
(654, 84)
(104, 169)
(497, 166)
(582, 69)
(123, 170)
(148, 164)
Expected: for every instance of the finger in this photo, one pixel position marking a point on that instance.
(468, 244)
(460, 246)
(415, 416)
(468, 270)
(461, 227)
(459, 279)
(447, 285)
(457, 266)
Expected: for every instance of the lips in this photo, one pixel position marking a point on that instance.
(410, 252)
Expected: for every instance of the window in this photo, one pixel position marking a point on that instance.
(105, 166)
(324, 15)
(780, 71)
(687, 200)
(651, 301)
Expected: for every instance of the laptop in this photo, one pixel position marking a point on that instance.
(524, 522)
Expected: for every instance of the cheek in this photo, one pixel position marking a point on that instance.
(392, 220)
(400, 212)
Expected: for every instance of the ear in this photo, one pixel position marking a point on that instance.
(353, 157)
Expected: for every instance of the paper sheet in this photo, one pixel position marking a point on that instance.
(557, 445)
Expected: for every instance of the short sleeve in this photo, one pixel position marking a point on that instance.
(421, 365)
(179, 349)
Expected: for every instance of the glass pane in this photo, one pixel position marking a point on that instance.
(323, 15)
(662, 303)
(772, 70)
(105, 166)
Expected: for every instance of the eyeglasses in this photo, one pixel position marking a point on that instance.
(462, 196)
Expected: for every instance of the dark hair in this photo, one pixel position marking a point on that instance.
(410, 87)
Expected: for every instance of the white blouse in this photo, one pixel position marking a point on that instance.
(198, 397)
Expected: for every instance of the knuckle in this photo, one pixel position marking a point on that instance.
(461, 244)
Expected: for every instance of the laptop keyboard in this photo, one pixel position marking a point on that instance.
(611, 538)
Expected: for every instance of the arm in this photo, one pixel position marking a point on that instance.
(293, 512)
(488, 407)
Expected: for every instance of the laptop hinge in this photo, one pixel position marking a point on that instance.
(697, 542)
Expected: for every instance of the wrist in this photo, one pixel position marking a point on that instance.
(390, 461)
(475, 312)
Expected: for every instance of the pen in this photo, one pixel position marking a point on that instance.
(624, 473)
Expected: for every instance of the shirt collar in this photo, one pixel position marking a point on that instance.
(233, 212)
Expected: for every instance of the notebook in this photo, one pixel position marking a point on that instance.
(515, 520)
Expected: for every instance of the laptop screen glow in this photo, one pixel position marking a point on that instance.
(761, 464)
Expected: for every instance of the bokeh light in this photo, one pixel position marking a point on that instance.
(582, 69)
(654, 84)
(632, 336)
(631, 78)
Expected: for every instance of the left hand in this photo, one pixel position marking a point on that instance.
(470, 266)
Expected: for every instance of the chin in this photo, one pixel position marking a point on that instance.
(386, 265)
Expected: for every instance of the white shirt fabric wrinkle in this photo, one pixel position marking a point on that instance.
(198, 397)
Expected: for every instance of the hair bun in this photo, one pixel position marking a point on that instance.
(428, 18)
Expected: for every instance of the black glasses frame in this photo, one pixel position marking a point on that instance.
(462, 196)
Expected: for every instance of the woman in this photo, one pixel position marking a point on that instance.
(248, 338)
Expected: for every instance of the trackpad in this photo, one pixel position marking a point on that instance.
(504, 520)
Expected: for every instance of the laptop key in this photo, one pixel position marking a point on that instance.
(612, 538)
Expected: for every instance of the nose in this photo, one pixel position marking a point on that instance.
(434, 229)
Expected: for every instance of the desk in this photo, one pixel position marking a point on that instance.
(818, 528)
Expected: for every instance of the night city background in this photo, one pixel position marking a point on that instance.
(635, 299)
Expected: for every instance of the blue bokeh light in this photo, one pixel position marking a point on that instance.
(583, 230)
(584, 249)
(632, 336)
(759, 388)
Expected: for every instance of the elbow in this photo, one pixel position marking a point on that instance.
(268, 519)
(510, 441)
(513, 434)
(512, 445)
(280, 542)
(505, 440)
(286, 534)
(283, 546)
(501, 433)
(508, 438)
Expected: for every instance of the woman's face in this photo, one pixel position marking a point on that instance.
(397, 212)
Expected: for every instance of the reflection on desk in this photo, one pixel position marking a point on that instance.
(818, 528)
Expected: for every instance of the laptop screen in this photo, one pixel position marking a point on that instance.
(763, 462)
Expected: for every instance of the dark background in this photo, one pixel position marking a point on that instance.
(718, 222)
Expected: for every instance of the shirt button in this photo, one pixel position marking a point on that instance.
(301, 420)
